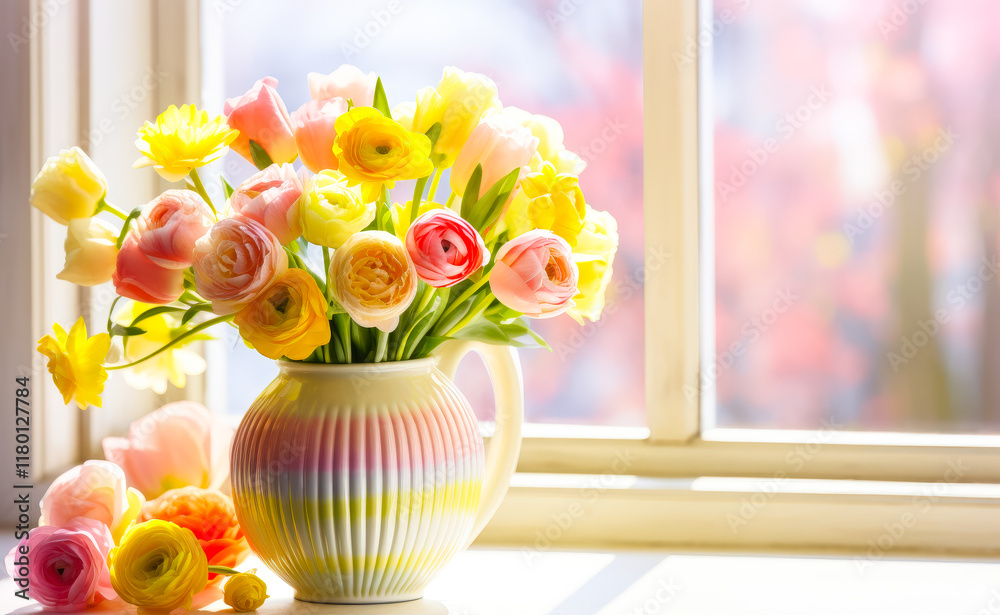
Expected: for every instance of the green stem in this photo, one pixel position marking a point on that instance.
(175, 341)
(383, 339)
(434, 184)
(411, 211)
(468, 293)
(451, 199)
(103, 205)
(222, 570)
(200, 189)
(476, 309)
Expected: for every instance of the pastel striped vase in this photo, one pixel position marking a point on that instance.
(357, 483)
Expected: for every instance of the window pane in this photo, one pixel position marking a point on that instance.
(577, 62)
(857, 178)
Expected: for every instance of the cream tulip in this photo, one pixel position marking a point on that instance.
(91, 252)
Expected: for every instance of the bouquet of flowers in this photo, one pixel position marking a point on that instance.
(329, 262)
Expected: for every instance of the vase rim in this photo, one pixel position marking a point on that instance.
(424, 363)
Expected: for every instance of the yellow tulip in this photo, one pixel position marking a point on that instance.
(373, 279)
(288, 319)
(330, 211)
(76, 363)
(375, 151)
(91, 252)
(549, 201)
(245, 592)
(181, 140)
(458, 103)
(594, 254)
(69, 186)
(550, 142)
(159, 566)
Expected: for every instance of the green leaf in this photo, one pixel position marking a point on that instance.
(433, 133)
(260, 157)
(117, 329)
(111, 311)
(380, 102)
(489, 207)
(194, 310)
(226, 188)
(471, 194)
(161, 309)
(135, 213)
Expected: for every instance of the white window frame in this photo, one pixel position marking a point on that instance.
(793, 491)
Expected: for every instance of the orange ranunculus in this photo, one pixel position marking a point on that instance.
(288, 319)
(212, 518)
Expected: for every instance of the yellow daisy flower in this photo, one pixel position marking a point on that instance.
(181, 140)
(373, 150)
(76, 363)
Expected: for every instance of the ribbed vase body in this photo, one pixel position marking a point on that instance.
(356, 483)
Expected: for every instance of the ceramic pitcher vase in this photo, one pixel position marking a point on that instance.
(357, 483)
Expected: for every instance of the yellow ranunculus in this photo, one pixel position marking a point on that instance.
(91, 252)
(549, 201)
(458, 103)
(373, 279)
(594, 254)
(375, 151)
(69, 186)
(330, 211)
(288, 319)
(245, 592)
(173, 365)
(181, 140)
(158, 566)
(76, 363)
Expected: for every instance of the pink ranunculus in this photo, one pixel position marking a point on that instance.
(137, 277)
(261, 116)
(271, 197)
(500, 145)
(445, 248)
(347, 82)
(96, 490)
(313, 125)
(170, 225)
(535, 274)
(180, 444)
(236, 261)
(64, 568)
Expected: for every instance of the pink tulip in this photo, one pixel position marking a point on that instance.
(445, 249)
(270, 197)
(500, 145)
(170, 225)
(313, 124)
(535, 274)
(96, 490)
(261, 115)
(236, 261)
(347, 82)
(64, 568)
(180, 444)
(137, 277)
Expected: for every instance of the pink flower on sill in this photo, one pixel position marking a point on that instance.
(64, 568)
(95, 490)
(180, 444)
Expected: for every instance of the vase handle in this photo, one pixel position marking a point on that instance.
(508, 393)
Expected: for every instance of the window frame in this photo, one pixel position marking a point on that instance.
(639, 501)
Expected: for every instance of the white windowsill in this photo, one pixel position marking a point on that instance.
(488, 582)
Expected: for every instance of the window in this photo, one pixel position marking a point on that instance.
(639, 439)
